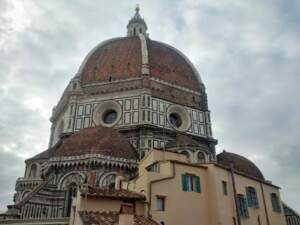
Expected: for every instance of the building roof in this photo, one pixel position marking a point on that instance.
(121, 58)
(111, 218)
(113, 193)
(93, 140)
(240, 164)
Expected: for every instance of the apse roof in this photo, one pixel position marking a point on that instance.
(93, 140)
(240, 164)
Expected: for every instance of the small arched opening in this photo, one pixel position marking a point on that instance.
(33, 171)
(201, 157)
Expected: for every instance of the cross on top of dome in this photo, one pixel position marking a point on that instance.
(137, 24)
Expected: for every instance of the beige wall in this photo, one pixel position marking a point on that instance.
(181, 207)
(99, 204)
(211, 206)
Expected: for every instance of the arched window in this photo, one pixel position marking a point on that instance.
(33, 171)
(108, 181)
(201, 157)
(73, 189)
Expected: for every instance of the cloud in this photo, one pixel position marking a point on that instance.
(247, 53)
(11, 167)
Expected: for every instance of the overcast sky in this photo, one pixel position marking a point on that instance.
(247, 52)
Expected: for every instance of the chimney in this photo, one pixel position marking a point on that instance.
(119, 178)
(126, 216)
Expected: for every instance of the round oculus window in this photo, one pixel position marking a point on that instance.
(110, 116)
(175, 119)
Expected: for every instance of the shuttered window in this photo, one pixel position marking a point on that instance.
(242, 206)
(275, 202)
(252, 199)
(190, 183)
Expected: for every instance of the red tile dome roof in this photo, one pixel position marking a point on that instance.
(121, 58)
(240, 164)
(93, 140)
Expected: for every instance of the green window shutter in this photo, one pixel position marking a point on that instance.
(197, 184)
(249, 198)
(256, 200)
(184, 180)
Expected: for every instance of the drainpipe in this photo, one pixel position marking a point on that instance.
(264, 200)
(155, 181)
(235, 195)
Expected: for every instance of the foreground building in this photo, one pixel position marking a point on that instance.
(132, 95)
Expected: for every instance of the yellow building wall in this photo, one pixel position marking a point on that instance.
(211, 206)
(181, 207)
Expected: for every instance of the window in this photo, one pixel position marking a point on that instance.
(160, 203)
(242, 206)
(224, 186)
(191, 183)
(275, 202)
(252, 197)
(33, 171)
(154, 168)
(110, 116)
(175, 120)
(201, 157)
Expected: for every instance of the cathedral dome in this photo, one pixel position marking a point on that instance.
(124, 58)
(240, 164)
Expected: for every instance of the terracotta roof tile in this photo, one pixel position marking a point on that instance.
(111, 218)
(240, 163)
(93, 140)
(167, 64)
(97, 140)
(113, 193)
(121, 58)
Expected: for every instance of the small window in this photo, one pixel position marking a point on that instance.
(175, 120)
(110, 116)
(191, 183)
(252, 197)
(201, 157)
(33, 171)
(74, 86)
(160, 203)
(242, 206)
(144, 100)
(224, 186)
(275, 202)
(154, 168)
